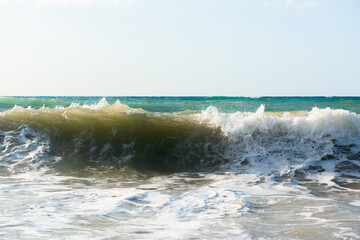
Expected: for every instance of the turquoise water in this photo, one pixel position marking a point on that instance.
(179, 104)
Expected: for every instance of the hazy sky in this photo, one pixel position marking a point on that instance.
(185, 47)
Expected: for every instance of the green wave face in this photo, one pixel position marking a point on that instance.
(119, 136)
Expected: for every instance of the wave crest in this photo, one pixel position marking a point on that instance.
(82, 136)
(315, 124)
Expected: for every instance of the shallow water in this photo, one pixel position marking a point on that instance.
(191, 168)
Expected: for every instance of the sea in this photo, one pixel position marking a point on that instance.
(179, 168)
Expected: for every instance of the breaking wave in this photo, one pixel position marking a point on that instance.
(82, 136)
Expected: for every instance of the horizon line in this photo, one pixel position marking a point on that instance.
(250, 96)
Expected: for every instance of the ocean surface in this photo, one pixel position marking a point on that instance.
(179, 168)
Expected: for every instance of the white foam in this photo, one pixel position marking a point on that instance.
(277, 144)
(101, 104)
(317, 123)
(355, 203)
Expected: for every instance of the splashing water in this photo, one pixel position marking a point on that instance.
(108, 170)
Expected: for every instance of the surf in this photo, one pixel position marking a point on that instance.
(207, 168)
(81, 136)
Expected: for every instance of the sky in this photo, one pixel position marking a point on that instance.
(181, 48)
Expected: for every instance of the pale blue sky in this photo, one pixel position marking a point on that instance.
(164, 47)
